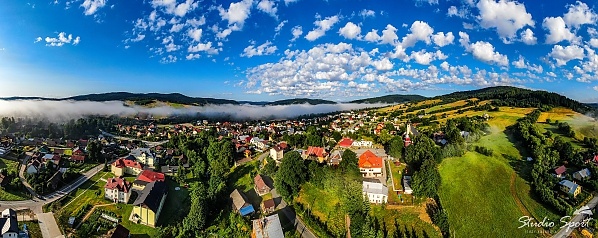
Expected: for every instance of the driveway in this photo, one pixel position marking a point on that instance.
(290, 214)
(48, 225)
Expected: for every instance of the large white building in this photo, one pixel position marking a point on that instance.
(117, 190)
(375, 191)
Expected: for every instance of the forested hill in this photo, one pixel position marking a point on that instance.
(301, 101)
(395, 98)
(144, 97)
(517, 97)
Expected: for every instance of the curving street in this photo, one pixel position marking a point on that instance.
(47, 222)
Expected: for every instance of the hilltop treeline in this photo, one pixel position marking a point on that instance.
(517, 97)
(395, 98)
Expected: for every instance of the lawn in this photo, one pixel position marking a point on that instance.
(85, 194)
(475, 192)
(488, 195)
(407, 220)
(178, 203)
(12, 195)
(242, 179)
(322, 203)
(396, 175)
(137, 230)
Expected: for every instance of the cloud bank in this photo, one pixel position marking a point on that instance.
(64, 110)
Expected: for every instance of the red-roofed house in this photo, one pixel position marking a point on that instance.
(345, 142)
(260, 187)
(78, 158)
(117, 190)
(317, 152)
(123, 166)
(370, 165)
(560, 171)
(146, 177)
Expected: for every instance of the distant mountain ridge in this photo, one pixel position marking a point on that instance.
(146, 98)
(507, 95)
(394, 98)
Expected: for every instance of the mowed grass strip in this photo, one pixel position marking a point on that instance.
(475, 193)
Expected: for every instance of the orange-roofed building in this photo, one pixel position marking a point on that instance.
(146, 177)
(370, 165)
(123, 166)
(318, 152)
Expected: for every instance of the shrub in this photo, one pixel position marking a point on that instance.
(484, 150)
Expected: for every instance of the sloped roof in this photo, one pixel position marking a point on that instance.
(317, 151)
(269, 203)
(345, 142)
(118, 183)
(238, 198)
(369, 160)
(259, 182)
(151, 195)
(583, 173)
(121, 163)
(78, 157)
(560, 170)
(570, 185)
(8, 222)
(268, 227)
(150, 176)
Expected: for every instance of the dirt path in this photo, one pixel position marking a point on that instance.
(513, 191)
(520, 205)
(91, 212)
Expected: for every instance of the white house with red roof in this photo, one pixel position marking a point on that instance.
(370, 165)
(117, 190)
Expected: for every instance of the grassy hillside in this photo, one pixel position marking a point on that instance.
(489, 190)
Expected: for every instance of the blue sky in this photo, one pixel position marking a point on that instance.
(267, 49)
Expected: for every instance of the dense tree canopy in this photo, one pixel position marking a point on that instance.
(292, 173)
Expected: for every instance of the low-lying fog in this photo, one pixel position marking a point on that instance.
(63, 110)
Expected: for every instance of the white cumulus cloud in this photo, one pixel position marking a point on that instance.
(505, 15)
(92, 6)
(562, 55)
(264, 49)
(350, 31)
(322, 26)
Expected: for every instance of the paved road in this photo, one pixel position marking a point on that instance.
(298, 223)
(47, 222)
(148, 143)
(564, 232)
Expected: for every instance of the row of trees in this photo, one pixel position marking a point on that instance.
(211, 161)
(546, 158)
